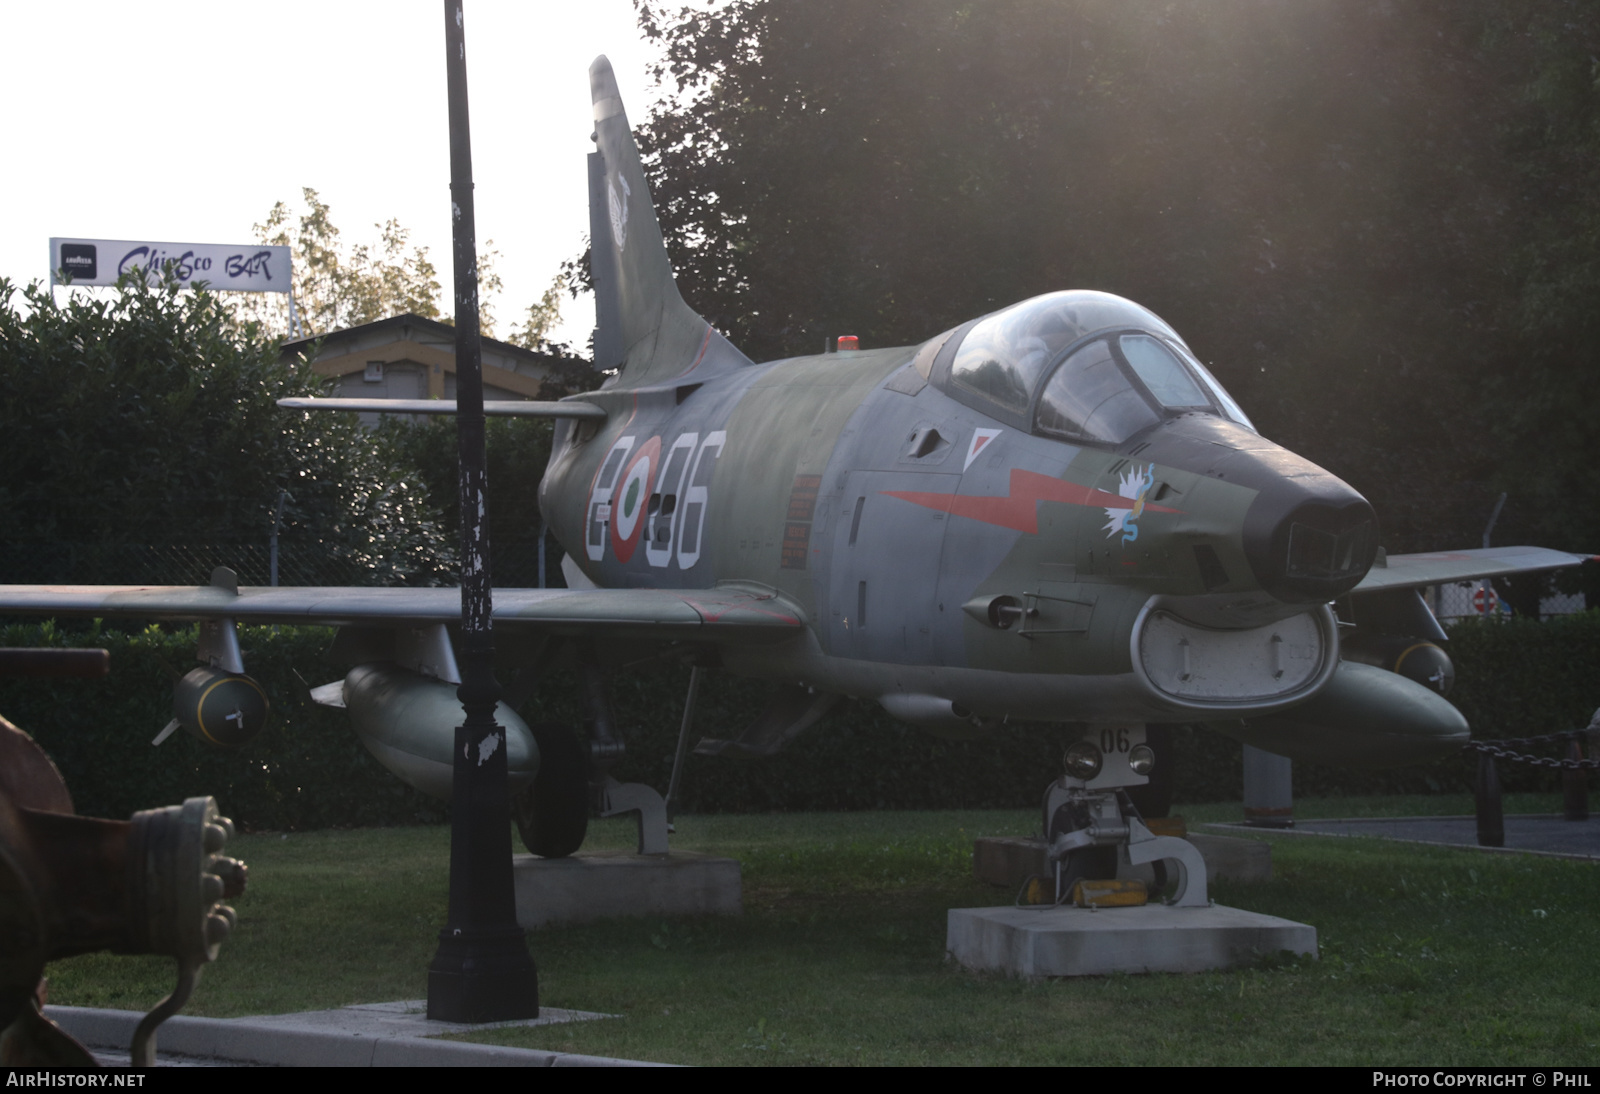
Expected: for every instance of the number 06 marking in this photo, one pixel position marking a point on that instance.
(698, 497)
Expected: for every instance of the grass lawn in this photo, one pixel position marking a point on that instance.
(1430, 956)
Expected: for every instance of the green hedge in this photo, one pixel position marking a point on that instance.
(307, 770)
(855, 758)
(1515, 678)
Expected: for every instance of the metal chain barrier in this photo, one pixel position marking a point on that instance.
(1574, 785)
(1505, 750)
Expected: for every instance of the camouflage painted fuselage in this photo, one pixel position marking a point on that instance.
(957, 568)
(1053, 512)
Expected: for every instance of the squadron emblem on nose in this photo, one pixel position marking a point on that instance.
(1135, 484)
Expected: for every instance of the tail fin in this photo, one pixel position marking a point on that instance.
(643, 327)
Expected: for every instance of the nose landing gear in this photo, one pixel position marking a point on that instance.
(1092, 827)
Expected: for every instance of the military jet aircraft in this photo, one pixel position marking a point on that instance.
(1050, 513)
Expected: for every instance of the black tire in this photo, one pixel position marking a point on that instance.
(552, 813)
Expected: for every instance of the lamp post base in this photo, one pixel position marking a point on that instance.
(482, 977)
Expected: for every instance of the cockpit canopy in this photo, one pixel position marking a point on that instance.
(1081, 366)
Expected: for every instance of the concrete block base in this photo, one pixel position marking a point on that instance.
(602, 884)
(1156, 938)
(1230, 858)
(1008, 861)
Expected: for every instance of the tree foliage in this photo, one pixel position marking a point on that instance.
(540, 320)
(150, 417)
(335, 286)
(1377, 222)
(517, 451)
(1545, 394)
(338, 286)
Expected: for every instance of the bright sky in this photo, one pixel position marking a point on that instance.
(186, 122)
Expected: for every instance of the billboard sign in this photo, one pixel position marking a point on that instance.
(249, 267)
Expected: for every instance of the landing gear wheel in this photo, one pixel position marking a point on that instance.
(552, 813)
(1086, 863)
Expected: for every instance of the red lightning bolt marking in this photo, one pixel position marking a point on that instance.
(1019, 509)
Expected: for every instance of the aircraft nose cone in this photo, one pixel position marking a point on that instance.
(1308, 536)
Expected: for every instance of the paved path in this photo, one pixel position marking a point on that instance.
(375, 1035)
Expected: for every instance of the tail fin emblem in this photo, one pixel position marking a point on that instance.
(619, 209)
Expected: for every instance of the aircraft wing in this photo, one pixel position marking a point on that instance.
(492, 408)
(724, 613)
(1405, 571)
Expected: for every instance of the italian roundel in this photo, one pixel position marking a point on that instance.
(632, 498)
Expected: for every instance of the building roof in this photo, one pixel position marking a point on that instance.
(429, 345)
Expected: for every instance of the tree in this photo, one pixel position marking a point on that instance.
(150, 417)
(1328, 200)
(1545, 400)
(541, 318)
(517, 450)
(337, 287)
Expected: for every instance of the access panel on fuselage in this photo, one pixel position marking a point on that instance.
(1025, 510)
(774, 500)
(984, 527)
(884, 575)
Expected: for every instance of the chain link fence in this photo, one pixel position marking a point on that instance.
(1460, 600)
(1477, 599)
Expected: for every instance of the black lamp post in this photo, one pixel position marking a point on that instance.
(482, 971)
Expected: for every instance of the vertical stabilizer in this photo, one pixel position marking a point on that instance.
(643, 327)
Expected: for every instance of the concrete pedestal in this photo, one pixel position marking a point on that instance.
(1155, 938)
(601, 884)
